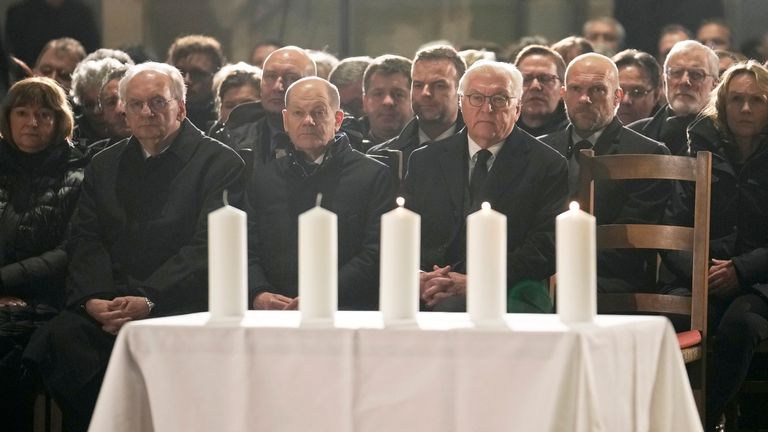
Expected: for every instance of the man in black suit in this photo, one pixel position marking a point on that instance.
(592, 95)
(435, 75)
(489, 160)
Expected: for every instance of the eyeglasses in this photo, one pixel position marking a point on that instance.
(544, 79)
(695, 76)
(156, 104)
(637, 92)
(498, 101)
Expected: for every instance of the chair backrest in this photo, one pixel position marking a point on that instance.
(655, 237)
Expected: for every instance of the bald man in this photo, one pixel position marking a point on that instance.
(592, 96)
(259, 125)
(318, 160)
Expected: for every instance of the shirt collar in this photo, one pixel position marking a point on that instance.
(592, 138)
(423, 137)
(474, 147)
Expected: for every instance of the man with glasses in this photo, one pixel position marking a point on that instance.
(435, 81)
(690, 74)
(198, 58)
(543, 111)
(592, 96)
(490, 160)
(640, 79)
(138, 242)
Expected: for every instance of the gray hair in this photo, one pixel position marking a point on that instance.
(234, 76)
(103, 53)
(349, 70)
(514, 75)
(89, 75)
(178, 89)
(689, 46)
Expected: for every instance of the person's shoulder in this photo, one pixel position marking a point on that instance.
(110, 153)
(639, 125)
(635, 142)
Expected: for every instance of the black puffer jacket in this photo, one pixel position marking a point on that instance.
(38, 193)
(739, 209)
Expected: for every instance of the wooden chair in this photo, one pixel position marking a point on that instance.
(660, 237)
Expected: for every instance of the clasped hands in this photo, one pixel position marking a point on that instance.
(114, 314)
(272, 301)
(441, 283)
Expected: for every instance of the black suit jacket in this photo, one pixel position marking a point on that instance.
(631, 201)
(528, 183)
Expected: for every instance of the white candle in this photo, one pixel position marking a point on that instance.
(227, 263)
(486, 265)
(318, 264)
(399, 270)
(576, 268)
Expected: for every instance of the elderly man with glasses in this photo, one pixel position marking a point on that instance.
(690, 74)
(542, 107)
(490, 160)
(592, 96)
(138, 242)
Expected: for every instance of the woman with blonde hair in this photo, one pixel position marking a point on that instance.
(734, 127)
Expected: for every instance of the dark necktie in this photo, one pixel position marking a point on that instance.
(573, 166)
(479, 174)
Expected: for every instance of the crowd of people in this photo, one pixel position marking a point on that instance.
(109, 166)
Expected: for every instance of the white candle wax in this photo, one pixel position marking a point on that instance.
(486, 265)
(399, 270)
(576, 267)
(318, 265)
(227, 263)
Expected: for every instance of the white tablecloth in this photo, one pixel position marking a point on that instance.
(619, 374)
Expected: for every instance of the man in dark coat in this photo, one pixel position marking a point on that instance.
(592, 96)
(435, 75)
(491, 160)
(690, 74)
(358, 189)
(138, 245)
(543, 70)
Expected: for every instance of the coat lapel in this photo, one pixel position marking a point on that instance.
(453, 165)
(608, 143)
(509, 165)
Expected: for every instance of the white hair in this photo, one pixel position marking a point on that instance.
(692, 46)
(508, 69)
(178, 89)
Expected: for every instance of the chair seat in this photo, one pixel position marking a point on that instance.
(690, 345)
(689, 338)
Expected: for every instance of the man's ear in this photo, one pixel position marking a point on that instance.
(339, 118)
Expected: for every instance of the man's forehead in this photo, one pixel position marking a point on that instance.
(536, 61)
(287, 61)
(442, 66)
(380, 80)
(149, 80)
(691, 57)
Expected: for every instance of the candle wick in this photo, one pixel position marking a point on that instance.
(319, 199)
(225, 197)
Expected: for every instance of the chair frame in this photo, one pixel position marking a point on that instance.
(659, 237)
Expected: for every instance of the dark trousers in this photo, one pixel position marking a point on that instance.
(17, 394)
(71, 354)
(744, 324)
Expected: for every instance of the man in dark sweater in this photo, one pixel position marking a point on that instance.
(138, 246)
(357, 188)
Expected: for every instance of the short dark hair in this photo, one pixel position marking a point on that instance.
(642, 60)
(63, 46)
(184, 46)
(675, 28)
(442, 52)
(43, 92)
(387, 64)
(546, 52)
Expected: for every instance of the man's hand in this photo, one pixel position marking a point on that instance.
(272, 301)
(114, 314)
(425, 277)
(12, 302)
(441, 287)
(723, 281)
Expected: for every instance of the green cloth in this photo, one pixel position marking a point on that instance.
(529, 296)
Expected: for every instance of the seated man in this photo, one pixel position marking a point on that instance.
(592, 96)
(490, 160)
(138, 245)
(358, 189)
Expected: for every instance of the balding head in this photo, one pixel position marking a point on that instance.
(591, 93)
(282, 68)
(312, 115)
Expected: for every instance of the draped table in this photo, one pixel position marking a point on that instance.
(266, 373)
